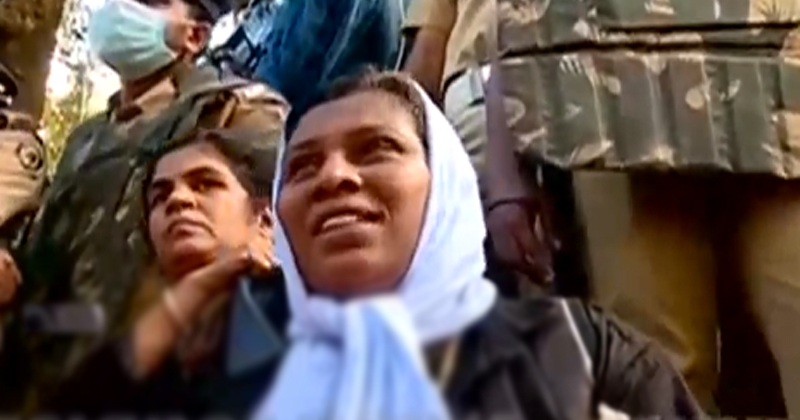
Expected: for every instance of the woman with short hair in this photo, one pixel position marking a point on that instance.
(210, 343)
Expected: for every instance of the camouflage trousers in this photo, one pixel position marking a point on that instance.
(679, 256)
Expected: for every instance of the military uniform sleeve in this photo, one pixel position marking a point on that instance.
(260, 113)
(259, 108)
(634, 375)
(431, 14)
(51, 223)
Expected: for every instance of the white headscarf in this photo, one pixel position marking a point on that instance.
(363, 360)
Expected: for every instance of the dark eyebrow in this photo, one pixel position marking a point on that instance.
(312, 143)
(162, 183)
(305, 145)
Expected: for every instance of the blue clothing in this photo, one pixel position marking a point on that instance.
(300, 46)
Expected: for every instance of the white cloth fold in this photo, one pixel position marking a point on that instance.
(363, 360)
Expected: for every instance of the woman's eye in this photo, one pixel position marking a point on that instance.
(379, 147)
(299, 168)
(156, 199)
(204, 185)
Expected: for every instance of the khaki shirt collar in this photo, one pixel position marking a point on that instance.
(154, 100)
(151, 102)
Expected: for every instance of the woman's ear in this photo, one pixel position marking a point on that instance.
(263, 212)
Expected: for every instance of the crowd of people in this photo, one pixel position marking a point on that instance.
(384, 250)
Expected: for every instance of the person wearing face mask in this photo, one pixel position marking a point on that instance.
(85, 245)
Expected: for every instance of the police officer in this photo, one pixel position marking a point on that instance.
(449, 55)
(22, 179)
(85, 244)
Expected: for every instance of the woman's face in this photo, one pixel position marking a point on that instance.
(197, 208)
(354, 194)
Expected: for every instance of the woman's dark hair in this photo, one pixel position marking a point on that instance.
(250, 161)
(399, 85)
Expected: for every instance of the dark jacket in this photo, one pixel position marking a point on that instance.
(520, 362)
(103, 385)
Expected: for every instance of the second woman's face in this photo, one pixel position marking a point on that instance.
(197, 207)
(354, 194)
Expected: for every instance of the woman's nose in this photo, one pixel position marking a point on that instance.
(338, 173)
(180, 198)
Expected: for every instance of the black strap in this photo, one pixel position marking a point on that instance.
(586, 330)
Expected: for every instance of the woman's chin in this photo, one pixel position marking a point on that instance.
(352, 274)
(344, 262)
(199, 250)
(192, 245)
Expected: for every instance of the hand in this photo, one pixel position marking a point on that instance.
(187, 300)
(522, 236)
(255, 259)
(10, 278)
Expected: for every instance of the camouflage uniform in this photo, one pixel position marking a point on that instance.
(86, 242)
(670, 252)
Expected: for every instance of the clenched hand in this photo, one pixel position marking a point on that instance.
(522, 236)
(10, 278)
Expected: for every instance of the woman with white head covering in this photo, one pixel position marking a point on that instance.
(380, 236)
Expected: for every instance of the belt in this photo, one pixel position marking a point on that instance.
(465, 89)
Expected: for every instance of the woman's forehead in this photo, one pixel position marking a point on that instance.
(189, 159)
(353, 114)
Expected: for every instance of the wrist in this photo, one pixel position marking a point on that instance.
(181, 303)
(511, 200)
(506, 183)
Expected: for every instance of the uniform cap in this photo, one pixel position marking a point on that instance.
(218, 8)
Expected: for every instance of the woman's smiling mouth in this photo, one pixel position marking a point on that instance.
(344, 218)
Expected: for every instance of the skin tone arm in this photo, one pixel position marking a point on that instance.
(158, 331)
(514, 205)
(425, 62)
(430, 25)
(503, 174)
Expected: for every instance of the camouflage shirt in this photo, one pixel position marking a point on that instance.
(607, 86)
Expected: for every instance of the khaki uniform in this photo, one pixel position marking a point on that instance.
(23, 171)
(465, 71)
(467, 48)
(86, 242)
(669, 252)
(23, 176)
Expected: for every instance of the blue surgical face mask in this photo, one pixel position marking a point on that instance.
(130, 38)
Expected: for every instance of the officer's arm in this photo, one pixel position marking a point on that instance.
(634, 375)
(427, 29)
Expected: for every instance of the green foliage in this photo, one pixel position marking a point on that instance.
(62, 115)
